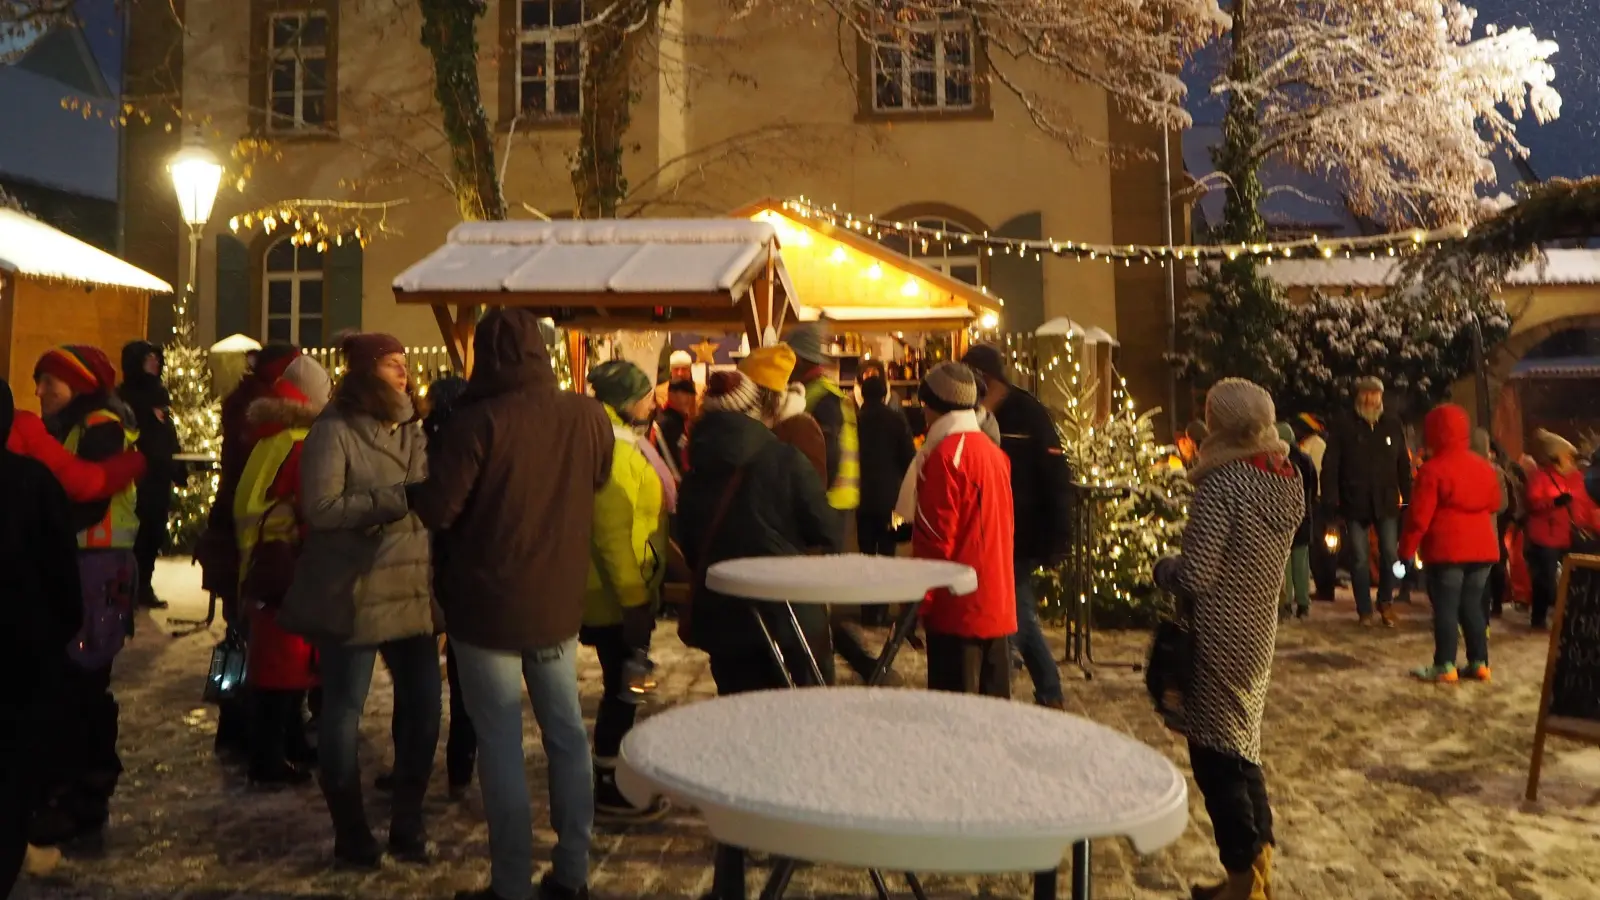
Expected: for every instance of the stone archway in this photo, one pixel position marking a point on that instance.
(1509, 427)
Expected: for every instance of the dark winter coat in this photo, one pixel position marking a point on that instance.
(780, 509)
(152, 408)
(1041, 479)
(1366, 470)
(511, 494)
(41, 606)
(98, 443)
(886, 453)
(1452, 512)
(1308, 479)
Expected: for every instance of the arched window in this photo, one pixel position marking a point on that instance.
(938, 246)
(293, 295)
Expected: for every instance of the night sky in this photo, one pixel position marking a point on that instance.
(1569, 147)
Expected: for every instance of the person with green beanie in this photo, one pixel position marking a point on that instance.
(1297, 580)
(628, 553)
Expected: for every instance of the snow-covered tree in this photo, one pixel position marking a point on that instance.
(1401, 102)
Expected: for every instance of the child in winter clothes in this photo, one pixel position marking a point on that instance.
(1557, 505)
(1451, 522)
(281, 666)
(957, 495)
(628, 553)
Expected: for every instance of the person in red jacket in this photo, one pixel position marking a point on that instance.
(957, 496)
(281, 666)
(82, 480)
(1451, 521)
(1557, 504)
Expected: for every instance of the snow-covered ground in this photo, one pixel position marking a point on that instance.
(1384, 789)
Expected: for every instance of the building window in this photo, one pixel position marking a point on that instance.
(293, 305)
(297, 88)
(550, 58)
(924, 63)
(939, 248)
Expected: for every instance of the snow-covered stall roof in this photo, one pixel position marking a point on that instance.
(30, 248)
(1559, 267)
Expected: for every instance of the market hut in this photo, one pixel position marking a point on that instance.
(606, 275)
(862, 287)
(56, 289)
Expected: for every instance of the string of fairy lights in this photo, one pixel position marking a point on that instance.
(1315, 247)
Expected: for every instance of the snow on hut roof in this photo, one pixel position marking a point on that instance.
(29, 247)
(1558, 267)
(601, 256)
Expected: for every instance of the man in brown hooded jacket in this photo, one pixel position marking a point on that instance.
(511, 495)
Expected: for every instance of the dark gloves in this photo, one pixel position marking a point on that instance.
(1564, 500)
(637, 624)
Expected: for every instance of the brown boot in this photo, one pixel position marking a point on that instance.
(1262, 869)
(1238, 886)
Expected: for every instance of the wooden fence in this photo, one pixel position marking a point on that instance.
(428, 364)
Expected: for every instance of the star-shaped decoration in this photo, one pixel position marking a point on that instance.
(705, 352)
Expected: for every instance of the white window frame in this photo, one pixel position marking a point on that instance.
(295, 277)
(297, 53)
(898, 35)
(947, 263)
(551, 36)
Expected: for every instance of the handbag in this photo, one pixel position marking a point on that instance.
(226, 675)
(1169, 673)
(697, 586)
(270, 572)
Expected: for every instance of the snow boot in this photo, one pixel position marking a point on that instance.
(1476, 671)
(1244, 885)
(38, 862)
(611, 808)
(353, 843)
(1262, 869)
(1445, 674)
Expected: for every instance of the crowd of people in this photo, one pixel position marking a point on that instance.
(353, 526)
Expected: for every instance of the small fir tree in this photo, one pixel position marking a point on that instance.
(196, 415)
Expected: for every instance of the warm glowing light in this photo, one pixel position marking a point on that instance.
(989, 321)
(875, 271)
(910, 289)
(837, 256)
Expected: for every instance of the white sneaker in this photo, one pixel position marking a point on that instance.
(40, 861)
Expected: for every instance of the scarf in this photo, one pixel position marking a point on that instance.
(962, 421)
(669, 485)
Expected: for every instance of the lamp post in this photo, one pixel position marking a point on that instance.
(196, 174)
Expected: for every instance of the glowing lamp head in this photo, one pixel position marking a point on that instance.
(1331, 539)
(875, 271)
(989, 321)
(837, 256)
(910, 289)
(196, 175)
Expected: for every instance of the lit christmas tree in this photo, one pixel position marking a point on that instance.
(197, 416)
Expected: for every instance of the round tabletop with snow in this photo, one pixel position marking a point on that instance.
(904, 780)
(844, 578)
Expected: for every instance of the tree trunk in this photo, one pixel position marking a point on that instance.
(449, 32)
(612, 43)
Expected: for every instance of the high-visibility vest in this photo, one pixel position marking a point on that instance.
(118, 528)
(845, 492)
(251, 503)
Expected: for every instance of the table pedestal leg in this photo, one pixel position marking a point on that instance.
(1080, 871)
(1044, 885)
(727, 878)
(778, 881)
(879, 885)
(772, 645)
(902, 630)
(916, 886)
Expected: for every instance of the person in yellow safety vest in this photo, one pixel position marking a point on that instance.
(75, 387)
(628, 562)
(835, 412)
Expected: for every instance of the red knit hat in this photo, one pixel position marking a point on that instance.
(363, 350)
(273, 359)
(84, 369)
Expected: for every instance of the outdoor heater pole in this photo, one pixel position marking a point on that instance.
(1172, 278)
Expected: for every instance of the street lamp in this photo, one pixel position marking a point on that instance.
(196, 174)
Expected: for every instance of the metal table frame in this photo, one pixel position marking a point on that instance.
(1080, 581)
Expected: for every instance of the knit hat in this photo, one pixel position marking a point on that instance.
(1240, 416)
(619, 384)
(363, 350)
(273, 359)
(949, 386)
(679, 359)
(732, 392)
(1548, 447)
(84, 369)
(806, 342)
(308, 377)
(986, 360)
(1311, 422)
(1369, 383)
(769, 367)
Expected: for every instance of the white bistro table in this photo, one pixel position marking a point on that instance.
(902, 780)
(850, 578)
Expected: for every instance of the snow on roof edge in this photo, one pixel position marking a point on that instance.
(34, 249)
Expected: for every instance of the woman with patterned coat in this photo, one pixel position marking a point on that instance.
(1248, 501)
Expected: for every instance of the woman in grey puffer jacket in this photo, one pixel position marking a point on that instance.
(362, 589)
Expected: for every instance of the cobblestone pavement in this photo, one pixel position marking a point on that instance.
(1384, 789)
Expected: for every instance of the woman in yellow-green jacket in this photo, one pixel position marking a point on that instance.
(627, 565)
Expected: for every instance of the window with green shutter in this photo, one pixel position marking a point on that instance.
(233, 288)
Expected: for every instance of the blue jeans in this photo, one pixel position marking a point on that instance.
(1457, 594)
(1029, 640)
(347, 677)
(491, 682)
(1361, 562)
(1544, 570)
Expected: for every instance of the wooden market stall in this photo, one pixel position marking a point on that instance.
(606, 275)
(56, 289)
(861, 287)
